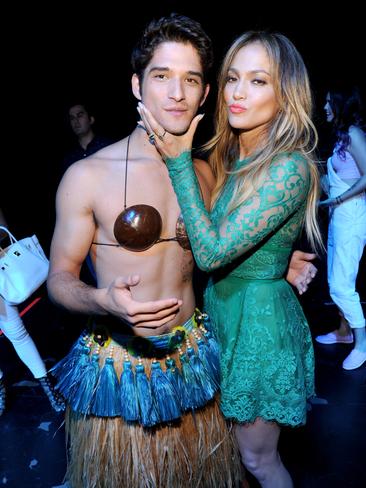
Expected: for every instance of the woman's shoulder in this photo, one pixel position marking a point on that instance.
(291, 161)
(289, 166)
(356, 132)
(357, 146)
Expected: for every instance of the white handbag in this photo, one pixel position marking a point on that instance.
(23, 268)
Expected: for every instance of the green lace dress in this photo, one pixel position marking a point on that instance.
(266, 353)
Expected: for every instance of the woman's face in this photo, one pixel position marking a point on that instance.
(328, 109)
(249, 91)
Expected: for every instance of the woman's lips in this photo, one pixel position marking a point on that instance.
(237, 109)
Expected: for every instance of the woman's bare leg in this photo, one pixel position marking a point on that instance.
(258, 448)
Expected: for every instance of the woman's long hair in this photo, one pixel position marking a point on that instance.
(291, 129)
(346, 106)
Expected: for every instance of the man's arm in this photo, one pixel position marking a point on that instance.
(301, 271)
(71, 241)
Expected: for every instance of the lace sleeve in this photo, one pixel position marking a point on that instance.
(282, 193)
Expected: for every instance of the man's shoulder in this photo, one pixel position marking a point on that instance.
(98, 161)
(88, 167)
(99, 142)
(113, 150)
(78, 170)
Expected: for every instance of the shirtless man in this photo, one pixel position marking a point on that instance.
(142, 409)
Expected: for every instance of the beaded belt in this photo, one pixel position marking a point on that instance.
(153, 387)
(151, 346)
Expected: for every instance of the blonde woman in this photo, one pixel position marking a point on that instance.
(267, 188)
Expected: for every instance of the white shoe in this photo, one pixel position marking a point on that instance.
(333, 338)
(354, 360)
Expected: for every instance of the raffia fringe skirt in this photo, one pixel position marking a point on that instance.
(196, 451)
(191, 447)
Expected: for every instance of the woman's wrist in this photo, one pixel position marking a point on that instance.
(180, 161)
(338, 200)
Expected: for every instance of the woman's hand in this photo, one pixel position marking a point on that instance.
(168, 145)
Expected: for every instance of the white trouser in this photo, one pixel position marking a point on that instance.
(346, 242)
(12, 326)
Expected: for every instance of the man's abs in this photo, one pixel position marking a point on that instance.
(165, 271)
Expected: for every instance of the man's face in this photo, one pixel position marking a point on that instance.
(172, 87)
(80, 120)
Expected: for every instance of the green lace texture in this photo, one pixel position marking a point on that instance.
(267, 363)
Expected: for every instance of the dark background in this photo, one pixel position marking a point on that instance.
(58, 52)
(54, 53)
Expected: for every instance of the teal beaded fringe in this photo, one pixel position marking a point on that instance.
(92, 388)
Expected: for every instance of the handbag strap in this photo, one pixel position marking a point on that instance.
(12, 238)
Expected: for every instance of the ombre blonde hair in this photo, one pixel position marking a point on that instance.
(290, 130)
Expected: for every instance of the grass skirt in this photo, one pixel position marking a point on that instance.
(144, 413)
(196, 451)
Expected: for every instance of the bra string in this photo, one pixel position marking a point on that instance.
(126, 165)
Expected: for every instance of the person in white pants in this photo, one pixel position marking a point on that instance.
(347, 223)
(13, 328)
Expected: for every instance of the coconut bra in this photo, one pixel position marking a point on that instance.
(138, 227)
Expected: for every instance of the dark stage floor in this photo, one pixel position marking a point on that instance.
(328, 453)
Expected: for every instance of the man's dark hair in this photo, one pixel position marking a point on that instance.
(173, 28)
(83, 103)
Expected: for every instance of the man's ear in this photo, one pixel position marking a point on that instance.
(92, 120)
(205, 93)
(135, 83)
